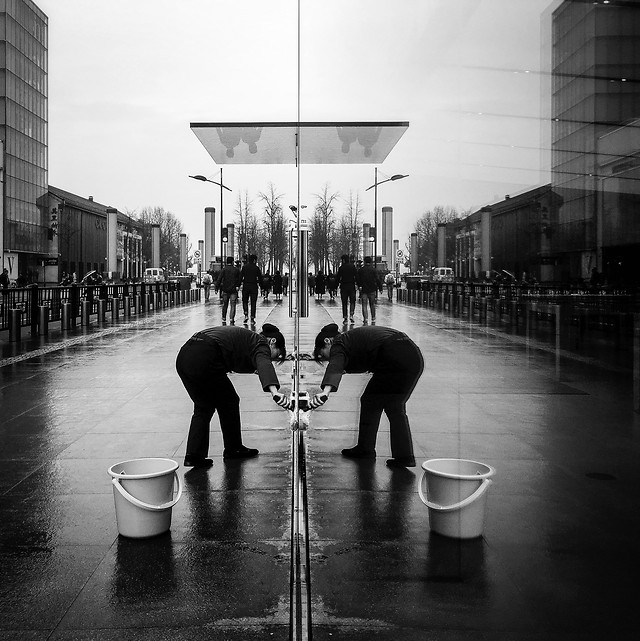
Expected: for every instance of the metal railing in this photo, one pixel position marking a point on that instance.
(24, 306)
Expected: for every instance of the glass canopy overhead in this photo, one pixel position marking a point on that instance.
(271, 143)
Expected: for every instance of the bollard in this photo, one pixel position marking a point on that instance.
(15, 324)
(43, 320)
(65, 317)
(102, 308)
(85, 313)
(127, 307)
(137, 304)
(115, 308)
(472, 303)
(172, 298)
(156, 301)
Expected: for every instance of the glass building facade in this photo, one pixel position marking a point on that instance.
(23, 130)
(595, 90)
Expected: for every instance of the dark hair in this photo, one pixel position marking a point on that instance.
(328, 331)
(367, 259)
(229, 260)
(345, 257)
(271, 331)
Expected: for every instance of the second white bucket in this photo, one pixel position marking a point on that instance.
(143, 495)
(456, 495)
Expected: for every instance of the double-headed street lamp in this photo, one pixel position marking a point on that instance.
(375, 210)
(223, 232)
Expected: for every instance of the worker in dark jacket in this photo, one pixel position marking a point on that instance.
(203, 363)
(346, 280)
(396, 363)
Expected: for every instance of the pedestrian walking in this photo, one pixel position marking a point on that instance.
(266, 284)
(321, 281)
(346, 281)
(396, 363)
(203, 363)
(206, 285)
(332, 285)
(369, 284)
(277, 285)
(228, 283)
(285, 283)
(390, 282)
(311, 283)
(250, 279)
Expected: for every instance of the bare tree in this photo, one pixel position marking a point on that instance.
(274, 228)
(322, 229)
(170, 230)
(348, 233)
(427, 229)
(249, 235)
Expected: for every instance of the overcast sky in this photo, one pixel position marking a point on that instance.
(126, 78)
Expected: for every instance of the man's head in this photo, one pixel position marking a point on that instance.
(229, 260)
(367, 260)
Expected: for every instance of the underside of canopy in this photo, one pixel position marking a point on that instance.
(313, 143)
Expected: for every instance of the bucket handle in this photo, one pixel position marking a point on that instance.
(148, 506)
(482, 488)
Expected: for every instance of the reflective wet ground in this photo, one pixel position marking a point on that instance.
(556, 561)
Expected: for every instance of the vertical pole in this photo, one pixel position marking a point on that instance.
(375, 221)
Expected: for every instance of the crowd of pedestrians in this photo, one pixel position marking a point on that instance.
(351, 282)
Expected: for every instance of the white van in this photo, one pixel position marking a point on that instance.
(442, 274)
(154, 275)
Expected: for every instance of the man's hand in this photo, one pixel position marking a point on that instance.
(318, 401)
(282, 401)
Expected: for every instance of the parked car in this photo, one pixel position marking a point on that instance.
(442, 275)
(154, 275)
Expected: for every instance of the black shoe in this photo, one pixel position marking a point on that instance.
(198, 462)
(401, 461)
(358, 452)
(240, 452)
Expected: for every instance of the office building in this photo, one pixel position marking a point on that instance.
(595, 73)
(26, 223)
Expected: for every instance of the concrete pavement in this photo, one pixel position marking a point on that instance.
(555, 562)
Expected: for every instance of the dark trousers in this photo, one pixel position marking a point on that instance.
(199, 365)
(249, 294)
(348, 295)
(229, 299)
(400, 365)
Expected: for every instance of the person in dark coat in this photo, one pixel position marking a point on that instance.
(346, 280)
(369, 284)
(396, 363)
(321, 281)
(250, 278)
(227, 283)
(332, 285)
(277, 285)
(203, 363)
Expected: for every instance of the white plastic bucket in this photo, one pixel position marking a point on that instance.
(456, 495)
(143, 495)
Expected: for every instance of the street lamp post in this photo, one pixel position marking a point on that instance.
(375, 210)
(223, 232)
